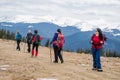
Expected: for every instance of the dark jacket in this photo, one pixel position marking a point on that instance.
(29, 37)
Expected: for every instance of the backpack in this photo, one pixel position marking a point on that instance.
(29, 37)
(36, 39)
(105, 38)
(60, 40)
(19, 37)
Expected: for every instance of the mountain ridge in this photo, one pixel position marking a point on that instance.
(64, 22)
(73, 36)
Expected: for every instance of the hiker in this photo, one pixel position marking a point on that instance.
(58, 42)
(29, 40)
(97, 41)
(36, 39)
(18, 38)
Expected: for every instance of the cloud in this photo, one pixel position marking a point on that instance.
(64, 12)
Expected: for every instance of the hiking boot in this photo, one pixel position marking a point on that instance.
(100, 70)
(55, 62)
(28, 51)
(62, 61)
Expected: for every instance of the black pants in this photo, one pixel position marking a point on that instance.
(29, 46)
(35, 46)
(57, 53)
(18, 45)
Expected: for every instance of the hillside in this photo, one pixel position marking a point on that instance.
(18, 65)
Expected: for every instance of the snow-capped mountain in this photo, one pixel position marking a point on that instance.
(74, 38)
(63, 22)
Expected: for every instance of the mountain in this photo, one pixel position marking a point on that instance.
(74, 37)
(81, 40)
(88, 25)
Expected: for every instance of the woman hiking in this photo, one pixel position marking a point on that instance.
(36, 39)
(97, 41)
(18, 38)
(58, 42)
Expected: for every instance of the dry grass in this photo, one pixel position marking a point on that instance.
(15, 65)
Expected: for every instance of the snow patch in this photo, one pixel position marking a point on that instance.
(116, 34)
(6, 25)
(83, 25)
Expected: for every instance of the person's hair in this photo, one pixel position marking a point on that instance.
(59, 30)
(35, 31)
(100, 33)
(18, 32)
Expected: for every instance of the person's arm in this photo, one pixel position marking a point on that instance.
(91, 40)
(54, 38)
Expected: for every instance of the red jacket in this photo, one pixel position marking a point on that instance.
(96, 43)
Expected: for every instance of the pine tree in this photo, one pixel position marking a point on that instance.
(7, 35)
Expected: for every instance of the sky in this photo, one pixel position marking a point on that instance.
(81, 13)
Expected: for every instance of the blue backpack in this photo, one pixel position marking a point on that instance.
(19, 37)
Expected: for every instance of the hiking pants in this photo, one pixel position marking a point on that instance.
(35, 46)
(18, 45)
(29, 46)
(96, 58)
(57, 53)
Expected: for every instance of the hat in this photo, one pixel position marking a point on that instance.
(29, 31)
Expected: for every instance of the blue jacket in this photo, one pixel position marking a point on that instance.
(18, 37)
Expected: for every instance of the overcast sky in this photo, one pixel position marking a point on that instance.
(65, 11)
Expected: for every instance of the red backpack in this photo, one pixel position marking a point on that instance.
(36, 39)
(60, 40)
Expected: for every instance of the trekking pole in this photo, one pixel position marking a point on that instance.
(50, 54)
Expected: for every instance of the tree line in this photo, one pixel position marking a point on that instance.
(5, 34)
(106, 53)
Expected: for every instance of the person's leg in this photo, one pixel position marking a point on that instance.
(55, 54)
(29, 47)
(33, 49)
(37, 45)
(60, 56)
(19, 45)
(98, 54)
(93, 51)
